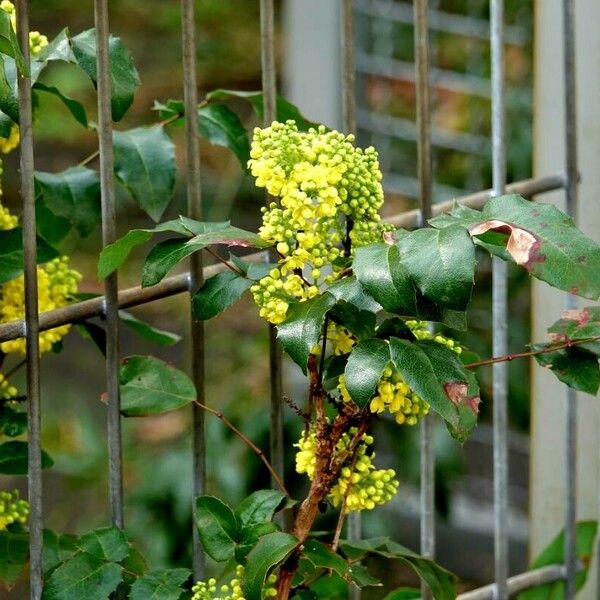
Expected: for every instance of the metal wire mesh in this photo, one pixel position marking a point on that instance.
(109, 304)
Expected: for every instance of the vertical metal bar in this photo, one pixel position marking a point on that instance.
(111, 311)
(425, 187)
(269, 89)
(354, 520)
(194, 209)
(31, 312)
(572, 201)
(499, 309)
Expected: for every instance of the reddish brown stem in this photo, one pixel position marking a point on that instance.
(509, 357)
(230, 266)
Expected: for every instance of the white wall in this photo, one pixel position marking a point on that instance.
(548, 398)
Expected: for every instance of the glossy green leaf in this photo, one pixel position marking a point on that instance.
(217, 527)
(303, 327)
(12, 422)
(459, 384)
(417, 371)
(363, 370)
(350, 290)
(164, 256)
(73, 106)
(543, 240)
(134, 565)
(145, 165)
(574, 366)
(106, 543)
(14, 556)
(9, 44)
(258, 507)
(56, 549)
(361, 577)
(441, 262)
(59, 49)
(74, 195)
(361, 323)
(323, 557)
(83, 576)
(221, 126)
(404, 594)
(115, 254)
(50, 228)
(8, 88)
(380, 271)
(6, 125)
(13, 458)
(554, 553)
(249, 536)
(577, 325)
(11, 253)
(147, 331)
(271, 550)
(124, 77)
(218, 293)
(441, 582)
(285, 110)
(150, 386)
(161, 584)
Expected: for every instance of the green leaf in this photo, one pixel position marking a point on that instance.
(149, 386)
(359, 322)
(271, 550)
(14, 556)
(161, 584)
(404, 594)
(73, 106)
(575, 367)
(106, 543)
(323, 558)
(6, 125)
(124, 77)
(544, 241)
(577, 325)
(363, 370)
(58, 49)
(9, 44)
(147, 331)
(441, 262)
(285, 110)
(13, 458)
(83, 576)
(362, 578)
(115, 254)
(134, 565)
(222, 127)
(145, 165)
(219, 293)
(56, 549)
(554, 553)
(74, 195)
(93, 332)
(380, 271)
(459, 384)
(164, 256)
(12, 422)
(249, 536)
(303, 327)
(50, 228)
(350, 290)
(417, 371)
(217, 527)
(11, 253)
(258, 507)
(441, 582)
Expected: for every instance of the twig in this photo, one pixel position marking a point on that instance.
(547, 350)
(323, 349)
(230, 266)
(89, 159)
(15, 368)
(248, 443)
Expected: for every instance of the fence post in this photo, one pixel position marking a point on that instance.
(547, 500)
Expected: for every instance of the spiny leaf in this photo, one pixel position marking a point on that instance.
(221, 126)
(14, 556)
(11, 253)
(106, 543)
(217, 527)
(74, 107)
(161, 584)
(303, 327)
(151, 333)
(9, 44)
(219, 293)
(145, 165)
(13, 458)
(150, 386)
(258, 507)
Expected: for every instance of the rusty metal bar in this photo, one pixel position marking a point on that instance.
(194, 210)
(34, 422)
(111, 308)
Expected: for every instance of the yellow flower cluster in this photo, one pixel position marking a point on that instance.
(360, 485)
(12, 509)
(393, 393)
(7, 391)
(233, 591)
(319, 178)
(340, 340)
(37, 42)
(56, 285)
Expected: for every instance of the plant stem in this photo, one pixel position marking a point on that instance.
(230, 266)
(15, 368)
(248, 443)
(509, 357)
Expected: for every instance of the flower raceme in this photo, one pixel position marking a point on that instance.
(209, 590)
(12, 509)
(329, 195)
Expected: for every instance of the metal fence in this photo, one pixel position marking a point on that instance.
(108, 305)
